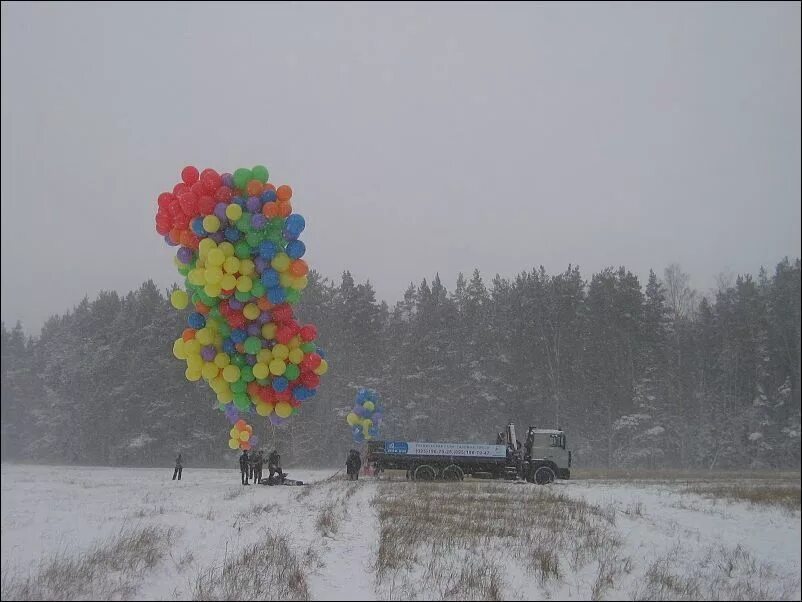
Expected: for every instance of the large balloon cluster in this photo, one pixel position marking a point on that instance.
(366, 416)
(240, 253)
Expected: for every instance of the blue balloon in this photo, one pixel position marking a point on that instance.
(280, 384)
(276, 294)
(373, 432)
(359, 437)
(239, 201)
(290, 235)
(270, 278)
(232, 234)
(295, 223)
(196, 320)
(238, 335)
(321, 353)
(268, 249)
(197, 226)
(228, 346)
(268, 196)
(296, 249)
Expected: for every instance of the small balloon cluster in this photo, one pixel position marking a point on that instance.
(366, 416)
(240, 253)
(242, 436)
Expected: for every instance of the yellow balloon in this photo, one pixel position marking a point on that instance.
(283, 409)
(296, 356)
(366, 424)
(206, 245)
(192, 374)
(322, 368)
(231, 265)
(178, 349)
(191, 347)
(227, 248)
(244, 435)
(215, 258)
(352, 419)
(231, 373)
(295, 342)
(233, 443)
(264, 356)
(195, 362)
(217, 383)
(205, 336)
(262, 409)
(301, 282)
(244, 284)
(233, 212)
(260, 370)
(209, 370)
(211, 223)
(218, 340)
(228, 282)
(213, 274)
(281, 351)
(285, 279)
(368, 405)
(225, 396)
(246, 267)
(251, 311)
(280, 262)
(213, 289)
(269, 330)
(277, 367)
(233, 433)
(179, 299)
(197, 277)
(222, 360)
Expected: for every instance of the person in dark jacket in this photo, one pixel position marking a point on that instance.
(274, 467)
(258, 464)
(353, 464)
(178, 468)
(244, 466)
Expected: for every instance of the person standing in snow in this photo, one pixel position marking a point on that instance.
(353, 464)
(274, 466)
(244, 466)
(178, 468)
(258, 464)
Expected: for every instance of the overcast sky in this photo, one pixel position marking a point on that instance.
(417, 138)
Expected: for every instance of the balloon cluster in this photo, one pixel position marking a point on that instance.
(242, 436)
(366, 416)
(240, 253)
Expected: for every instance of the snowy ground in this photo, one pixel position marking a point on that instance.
(135, 533)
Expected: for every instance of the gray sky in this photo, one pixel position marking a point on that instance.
(417, 138)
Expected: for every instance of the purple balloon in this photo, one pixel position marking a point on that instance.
(184, 254)
(260, 263)
(250, 359)
(258, 221)
(254, 330)
(220, 211)
(217, 237)
(254, 440)
(208, 353)
(264, 317)
(253, 204)
(276, 420)
(228, 180)
(235, 303)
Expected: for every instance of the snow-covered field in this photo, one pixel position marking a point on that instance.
(134, 533)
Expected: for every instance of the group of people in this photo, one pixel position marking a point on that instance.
(251, 466)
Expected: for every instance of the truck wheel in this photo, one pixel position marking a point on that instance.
(544, 475)
(453, 472)
(425, 473)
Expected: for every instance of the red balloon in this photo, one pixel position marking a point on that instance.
(308, 333)
(281, 313)
(310, 379)
(164, 200)
(223, 194)
(236, 320)
(180, 188)
(163, 228)
(206, 205)
(189, 203)
(211, 180)
(284, 334)
(225, 308)
(190, 175)
(180, 220)
(283, 396)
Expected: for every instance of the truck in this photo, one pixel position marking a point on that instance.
(542, 459)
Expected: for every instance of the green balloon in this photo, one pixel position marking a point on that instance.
(214, 313)
(263, 381)
(308, 347)
(260, 173)
(258, 289)
(254, 238)
(253, 345)
(224, 328)
(292, 372)
(241, 177)
(242, 250)
(240, 296)
(184, 269)
(244, 223)
(239, 387)
(246, 374)
(242, 401)
(293, 296)
(238, 360)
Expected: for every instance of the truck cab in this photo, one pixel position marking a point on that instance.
(548, 445)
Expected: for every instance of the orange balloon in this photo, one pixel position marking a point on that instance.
(185, 238)
(269, 186)
(270, 210)
(245, 445)
(240, 424)
(175, 236)
(284, 193)
(240, 347)
(253, 388)
(249, 428)
(299, 267)
(254, 188)
(201, 308)
(188, 334)
(284, 208)
(263, 303)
